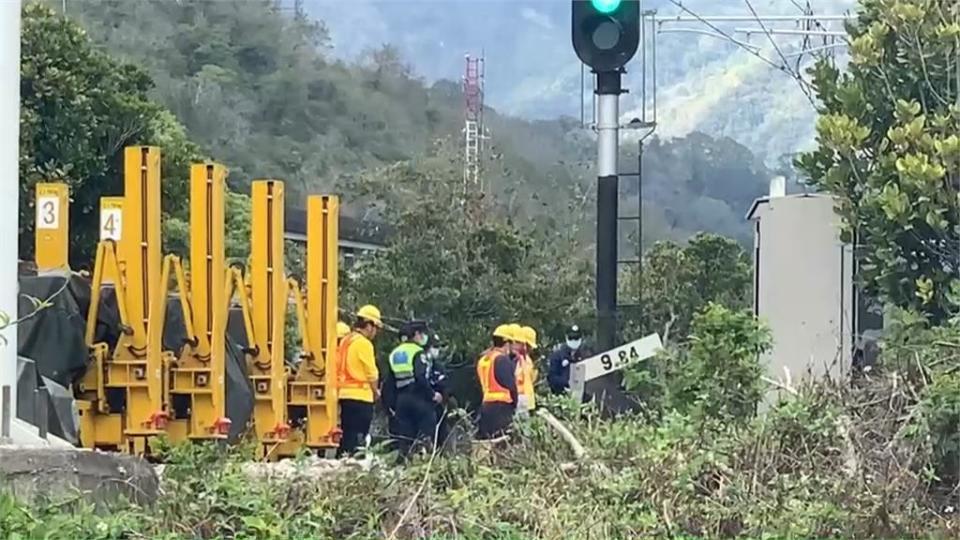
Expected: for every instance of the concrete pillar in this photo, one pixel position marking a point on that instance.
(9, 186)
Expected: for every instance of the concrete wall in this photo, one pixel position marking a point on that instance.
(804, 286)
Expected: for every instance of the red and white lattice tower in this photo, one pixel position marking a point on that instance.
(473, 122)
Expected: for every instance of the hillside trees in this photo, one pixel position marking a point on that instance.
(263, 92)
(79, 109)
(678, 280)
(460, 262)
(889, 150)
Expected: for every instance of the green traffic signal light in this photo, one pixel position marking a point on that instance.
(605, 6)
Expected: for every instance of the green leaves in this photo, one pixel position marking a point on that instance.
(888, 149)
(79, 108)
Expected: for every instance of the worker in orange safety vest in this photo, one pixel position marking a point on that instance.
(497, 371)
(358, 379)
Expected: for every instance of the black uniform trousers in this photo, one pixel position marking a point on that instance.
(495, 419)
(417, 419)
(355, 418)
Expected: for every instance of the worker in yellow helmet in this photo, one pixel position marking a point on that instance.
(343, 329)
(358, 379)
(497, 371)
(497, 347)
(526, 372)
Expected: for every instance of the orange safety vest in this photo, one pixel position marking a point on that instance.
(493, 391)
(345, 378)
(484, 363)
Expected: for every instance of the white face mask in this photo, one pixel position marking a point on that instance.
(573, 343)
(433, 353)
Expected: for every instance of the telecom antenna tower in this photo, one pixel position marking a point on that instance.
(473, 129)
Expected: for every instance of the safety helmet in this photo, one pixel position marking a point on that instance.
(529, 336)
(515, 333)
(503, 332)
(342, 329)
(370, 313)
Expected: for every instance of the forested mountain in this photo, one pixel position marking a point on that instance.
(706, 83)
(262, 90)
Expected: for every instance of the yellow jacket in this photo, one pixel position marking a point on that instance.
(527, 375)
(359, 375)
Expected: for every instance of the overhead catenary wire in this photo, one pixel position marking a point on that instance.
(786, 63)
(754, 17)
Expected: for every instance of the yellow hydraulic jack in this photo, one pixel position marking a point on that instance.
(312, 390)
(265, 356)
(196, 388)
(121, 396)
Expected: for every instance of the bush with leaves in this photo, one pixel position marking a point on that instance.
(715, 374)
(678, 280)
(888, 149)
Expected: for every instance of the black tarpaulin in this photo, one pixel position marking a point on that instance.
(62, 418)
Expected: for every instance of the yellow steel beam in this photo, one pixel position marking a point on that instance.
(52, 227)
(111, 228)
(140, 243)
(267, 371)
(197, 378)
(312, 391)
(132, 375)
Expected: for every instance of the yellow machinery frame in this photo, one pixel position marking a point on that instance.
(196, 388)
(265, 356)
(52, 243)
(312, 391)
(121, 403)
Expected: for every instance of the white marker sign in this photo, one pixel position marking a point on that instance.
(111, 223)
(48, 212)
(611, 361)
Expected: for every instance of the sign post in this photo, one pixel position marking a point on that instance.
(610, 361)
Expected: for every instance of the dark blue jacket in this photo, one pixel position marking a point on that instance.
(558, 376)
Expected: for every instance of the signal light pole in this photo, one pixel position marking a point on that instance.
(606, 35)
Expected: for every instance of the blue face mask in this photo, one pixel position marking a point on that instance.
(422, 341)
(573, 343)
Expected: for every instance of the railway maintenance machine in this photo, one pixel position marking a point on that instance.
(135, 388)
(294, 405)
(120, 398)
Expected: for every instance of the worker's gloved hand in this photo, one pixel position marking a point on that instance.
(565, 363)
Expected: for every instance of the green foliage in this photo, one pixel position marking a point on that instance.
(785, 475)
(679, 280)
(889, 152)
(260, 91)
(714, 376)
(458, 262)
(79, 109)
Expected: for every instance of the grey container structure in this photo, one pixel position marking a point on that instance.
(804, 288)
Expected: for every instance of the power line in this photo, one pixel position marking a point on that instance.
(723, 34)
(786, 62)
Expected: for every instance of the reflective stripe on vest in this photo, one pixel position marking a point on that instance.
(345, 378)
(493, 391)
(401, 363)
